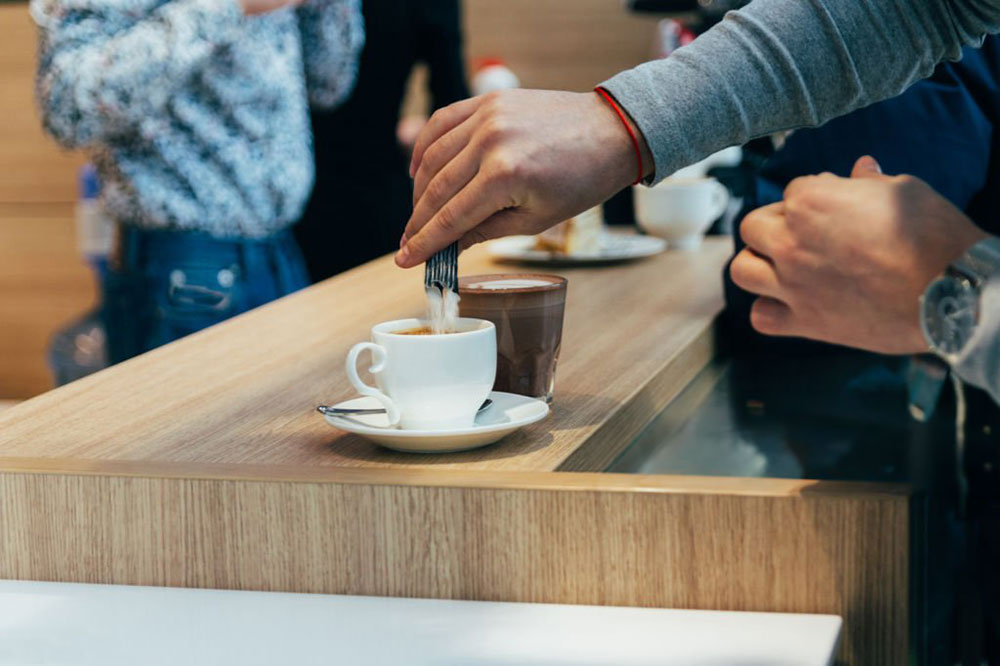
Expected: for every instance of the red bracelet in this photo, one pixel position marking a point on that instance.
(628, 128)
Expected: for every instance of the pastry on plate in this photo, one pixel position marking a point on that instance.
(580, 234)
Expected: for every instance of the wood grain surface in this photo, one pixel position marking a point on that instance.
(673, 542)
(203, 464)
(559, 44)
(34, 168)
(550, 44)
(43, 285)
(43, 282)
(245, 391)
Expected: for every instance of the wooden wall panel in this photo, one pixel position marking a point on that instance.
(555, 44)
(43, 284)
(32, 167)
(558, 44)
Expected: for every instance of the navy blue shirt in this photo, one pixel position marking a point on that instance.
(943, 130)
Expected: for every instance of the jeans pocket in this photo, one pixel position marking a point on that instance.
(190, 298)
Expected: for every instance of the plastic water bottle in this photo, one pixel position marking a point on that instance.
(94, 231)
(80, 347)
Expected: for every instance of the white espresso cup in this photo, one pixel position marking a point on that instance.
(680, 211)
(429, 382)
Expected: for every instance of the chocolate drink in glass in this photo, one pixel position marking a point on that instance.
(527, 310)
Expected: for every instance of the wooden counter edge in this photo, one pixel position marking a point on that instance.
(554, 537)
(422, 477)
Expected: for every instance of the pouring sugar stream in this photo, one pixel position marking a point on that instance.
(442, 310)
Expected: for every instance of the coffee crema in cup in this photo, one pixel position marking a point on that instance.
(527, 310)
(421, 330)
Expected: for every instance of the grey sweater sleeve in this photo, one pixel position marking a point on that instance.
(979, 363)
(781, 64)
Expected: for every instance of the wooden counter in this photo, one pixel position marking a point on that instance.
(245, 392)
(203, 464)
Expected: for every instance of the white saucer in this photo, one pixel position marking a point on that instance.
(508, 413)
(614, 246)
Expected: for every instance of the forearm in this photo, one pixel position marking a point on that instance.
(780, 64)
(97, 77)
(332, 38)
(979, 363)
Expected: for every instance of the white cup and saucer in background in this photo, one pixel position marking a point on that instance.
(431, 387)
(680, 210)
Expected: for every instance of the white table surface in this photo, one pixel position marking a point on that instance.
(107, 625)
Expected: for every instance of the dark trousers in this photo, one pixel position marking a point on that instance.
(979, 601)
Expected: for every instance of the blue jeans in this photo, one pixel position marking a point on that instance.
(168, 284)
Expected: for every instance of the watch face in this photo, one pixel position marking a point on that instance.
(950, 313)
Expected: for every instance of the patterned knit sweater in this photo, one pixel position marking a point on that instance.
(196, 115)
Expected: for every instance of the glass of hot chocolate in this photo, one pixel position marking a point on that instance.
(527, 310)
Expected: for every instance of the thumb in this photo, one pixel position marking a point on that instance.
(866, 167)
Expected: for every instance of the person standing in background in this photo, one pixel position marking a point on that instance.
(944, 130)
(196, 115)
(363, 194)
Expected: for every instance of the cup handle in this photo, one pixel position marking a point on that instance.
(379, 358)
(720, 200)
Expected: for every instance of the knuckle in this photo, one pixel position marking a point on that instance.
(506, 168)
(784, 252)
(748, 226)
(799, 188)
(792, 189)
(759, 319)
(445, 221)
(493, 130)
(416, 244)
(799, 207)
(432, 156)
(436, 191)
(491, 106)
(438, 115)
(421, 180)
(475, 237)
(763, 319)
(739, 271)
(908, 185)
(492, 99)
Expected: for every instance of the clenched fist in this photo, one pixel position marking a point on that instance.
(845, 260)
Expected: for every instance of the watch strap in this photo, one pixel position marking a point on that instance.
(925, 379)
(979, 262)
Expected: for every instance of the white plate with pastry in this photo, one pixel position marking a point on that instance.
(579, 240)
(612, 247)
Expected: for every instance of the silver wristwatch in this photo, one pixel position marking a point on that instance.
(949, 308)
